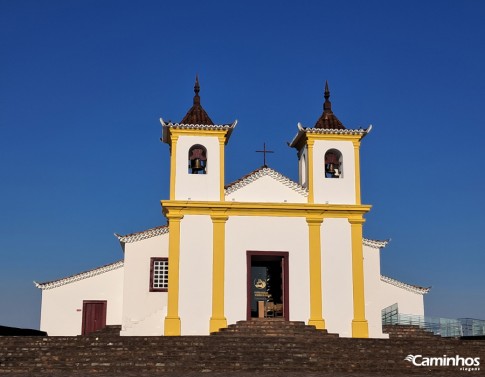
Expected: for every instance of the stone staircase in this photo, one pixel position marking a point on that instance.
(264, 346)
(278, 328)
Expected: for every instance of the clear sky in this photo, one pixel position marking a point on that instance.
(83, 84)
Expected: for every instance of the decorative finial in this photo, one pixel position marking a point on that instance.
(196, 90)
(327, 106)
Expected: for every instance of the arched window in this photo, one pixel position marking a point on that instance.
(197, 159)
(333, 164)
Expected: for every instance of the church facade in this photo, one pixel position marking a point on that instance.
(262, 246)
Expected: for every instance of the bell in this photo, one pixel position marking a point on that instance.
(196, 165)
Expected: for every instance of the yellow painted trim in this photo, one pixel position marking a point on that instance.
(310, 171)
(360, 327)
(336, 137)
(195, 132)
(218, 320)
(222, 141)
(357, 171)
(315, 261)
(172, 325)
(173, 166)
(265, 209)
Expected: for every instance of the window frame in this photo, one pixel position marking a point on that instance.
(152, 272)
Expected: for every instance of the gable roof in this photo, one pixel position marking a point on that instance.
(80, 276)
(261, 172)
(408, 287)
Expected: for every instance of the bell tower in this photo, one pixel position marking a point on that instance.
(196, 154)
(329, 158)
(329, 167)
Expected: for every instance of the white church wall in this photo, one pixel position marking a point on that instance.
(61, 312)
(372, 292)
(337, 276)
(266, 234)
(195, 287)
(409, 302)
(143, 311)
(197, 186)
(334, 190)
(267, 190)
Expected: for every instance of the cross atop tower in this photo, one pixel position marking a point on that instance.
(264, 151)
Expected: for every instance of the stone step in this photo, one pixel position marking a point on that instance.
(107, 330)
(407, 331)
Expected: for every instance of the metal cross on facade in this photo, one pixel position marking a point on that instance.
(264, 151)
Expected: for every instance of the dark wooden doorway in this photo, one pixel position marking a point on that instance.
(94, 316)
(267, 280)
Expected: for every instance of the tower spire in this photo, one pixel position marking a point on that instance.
(196, 114)
(196, 90)
(328, 120)
(327, 105)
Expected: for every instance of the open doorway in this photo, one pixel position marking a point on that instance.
(267, 284)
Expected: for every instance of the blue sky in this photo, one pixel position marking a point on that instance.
(83, 84)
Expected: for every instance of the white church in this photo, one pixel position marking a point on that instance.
(263, 246)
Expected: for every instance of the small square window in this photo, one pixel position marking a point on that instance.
(158, 274)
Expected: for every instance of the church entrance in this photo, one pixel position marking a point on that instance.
(267, 275)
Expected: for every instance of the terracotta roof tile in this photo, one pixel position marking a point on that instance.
(262, 171)
(409, 287)
(80, 276)
(143, 235)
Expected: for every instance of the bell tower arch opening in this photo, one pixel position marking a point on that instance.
(197, 159)
(333, 164)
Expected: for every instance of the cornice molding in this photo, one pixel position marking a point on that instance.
(189, 207)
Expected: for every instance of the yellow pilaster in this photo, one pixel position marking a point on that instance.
(357, 171)
(218, 320)
(316, 318)
(310, 170)
(360, 327)
(173, 165)
(172, 320)
(222, 141)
